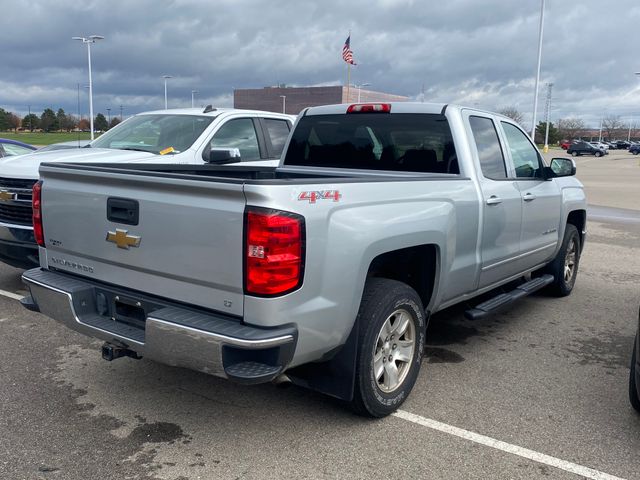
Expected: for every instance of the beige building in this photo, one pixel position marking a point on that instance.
(294, 99)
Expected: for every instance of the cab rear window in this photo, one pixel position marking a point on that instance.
(373, 141)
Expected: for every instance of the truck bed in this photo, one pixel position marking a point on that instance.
(186, 242)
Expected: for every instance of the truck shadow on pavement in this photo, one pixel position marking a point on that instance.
(449, 327)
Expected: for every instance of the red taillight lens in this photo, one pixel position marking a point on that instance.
(36, 203)
(369, 108)
(274, 252)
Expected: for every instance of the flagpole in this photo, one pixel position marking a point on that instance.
(349, 72)
(348, 82)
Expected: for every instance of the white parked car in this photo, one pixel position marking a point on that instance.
(185, 136)
(601, 145)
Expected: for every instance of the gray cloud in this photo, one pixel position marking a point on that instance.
(464, 51)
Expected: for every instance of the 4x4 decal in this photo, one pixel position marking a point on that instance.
(314, 196)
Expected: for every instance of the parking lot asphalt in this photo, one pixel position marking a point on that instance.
(537, 391)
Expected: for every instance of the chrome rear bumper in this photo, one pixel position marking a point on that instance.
(175, 335)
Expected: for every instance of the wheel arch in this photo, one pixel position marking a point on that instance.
(416, 266)
(578, 218)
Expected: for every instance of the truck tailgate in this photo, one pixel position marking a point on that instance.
(186, 244)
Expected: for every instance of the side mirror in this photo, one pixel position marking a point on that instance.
(562, 167)
(224, 155)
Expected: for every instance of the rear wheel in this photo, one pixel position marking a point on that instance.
(574, 154)
(391, 336)
(633, 389)
(564, 267)
(598, 154)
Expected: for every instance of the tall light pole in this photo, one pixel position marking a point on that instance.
(120, 112)
(601, 122)
(637, 74)
(547, 111)
(535, 96)
(86, 87)
(166, 77)
(109, 115)
(359, 87)
(89, 40)
(284, 103)
(193, 97)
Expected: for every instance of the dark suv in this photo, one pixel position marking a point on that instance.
(635, 148)
(584, 148)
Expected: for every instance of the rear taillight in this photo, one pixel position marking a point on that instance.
(274, 252)
(369, 108)
(36, 203)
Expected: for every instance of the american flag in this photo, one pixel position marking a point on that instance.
(347, 54)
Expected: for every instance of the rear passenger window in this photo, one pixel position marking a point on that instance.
(241, 134)
(489, 149)
(278, 131)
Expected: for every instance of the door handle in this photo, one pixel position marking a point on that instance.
(528, 197)
(493, 200)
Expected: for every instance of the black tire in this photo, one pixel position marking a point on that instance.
(598, 154)
(574, 154)
(561, 286)
(633, 389)
(381, 301)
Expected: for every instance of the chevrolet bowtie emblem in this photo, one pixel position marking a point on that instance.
(122, 239)
(5, 195)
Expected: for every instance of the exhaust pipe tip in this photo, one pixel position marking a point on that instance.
(282, 381)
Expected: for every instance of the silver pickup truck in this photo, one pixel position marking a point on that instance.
(322, 271)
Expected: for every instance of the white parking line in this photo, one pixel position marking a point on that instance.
(586, 472)
(612, 217)
(15, 296)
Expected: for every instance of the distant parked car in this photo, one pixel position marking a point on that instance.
(634, 374)
(622, 144)
(612, 145)
(11, 148)
(601, 145)
(635, 148)
(65, 145)
(565, 144)
(584, 148)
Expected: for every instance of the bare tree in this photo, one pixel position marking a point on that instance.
(513, 113)
(571, 128)
(613, 127)
(14, 121)
(69, 122)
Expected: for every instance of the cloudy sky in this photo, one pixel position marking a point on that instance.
(474, 52)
